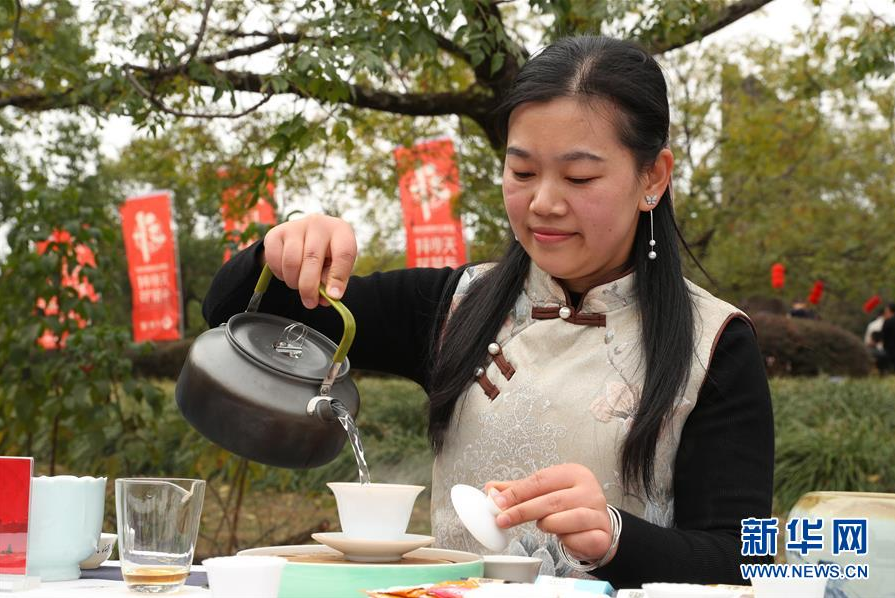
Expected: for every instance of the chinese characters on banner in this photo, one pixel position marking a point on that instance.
(152, 267)
(237, 218)
(71, 279)
(429, 184)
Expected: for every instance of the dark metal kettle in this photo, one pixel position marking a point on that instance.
(260, 386)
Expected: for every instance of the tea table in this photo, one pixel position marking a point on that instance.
(106, 582)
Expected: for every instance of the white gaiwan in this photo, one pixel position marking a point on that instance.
(374, 519)
(479, 514)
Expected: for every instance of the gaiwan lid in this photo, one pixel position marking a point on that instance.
(479, 514)
(283, 345)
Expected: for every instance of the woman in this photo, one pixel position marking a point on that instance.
(619, 415)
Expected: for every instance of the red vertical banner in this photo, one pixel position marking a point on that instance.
(72, 278)
(237, 215)
(152, 267)
(429, 184)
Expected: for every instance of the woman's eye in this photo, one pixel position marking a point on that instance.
(581, 181)
(523, 176)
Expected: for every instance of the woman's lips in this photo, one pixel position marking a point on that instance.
(550, 236)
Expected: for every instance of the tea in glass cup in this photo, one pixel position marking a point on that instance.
(158, 523)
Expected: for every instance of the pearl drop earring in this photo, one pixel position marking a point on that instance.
(651, 200)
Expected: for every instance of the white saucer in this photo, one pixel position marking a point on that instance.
(478, 513)
(373, 551)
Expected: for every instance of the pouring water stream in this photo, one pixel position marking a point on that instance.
(344, 417)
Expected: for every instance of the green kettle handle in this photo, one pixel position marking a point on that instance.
(347, 318)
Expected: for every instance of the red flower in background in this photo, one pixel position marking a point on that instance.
(70, 278)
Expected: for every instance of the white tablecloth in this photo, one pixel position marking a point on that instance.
(101, 588)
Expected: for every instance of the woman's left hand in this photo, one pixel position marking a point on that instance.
(565, 500)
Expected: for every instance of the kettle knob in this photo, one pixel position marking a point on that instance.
(321, 407)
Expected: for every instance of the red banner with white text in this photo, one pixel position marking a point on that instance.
(429, 184)
(151, 250)
(237, 215)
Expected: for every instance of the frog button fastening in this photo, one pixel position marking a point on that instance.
(501, 361)
(486, 384)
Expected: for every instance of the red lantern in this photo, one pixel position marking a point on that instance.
(778, 275)
(816, 291)
(871, 304)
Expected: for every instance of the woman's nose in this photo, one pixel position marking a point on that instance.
(547, 200)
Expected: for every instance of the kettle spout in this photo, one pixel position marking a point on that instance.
(321, 407)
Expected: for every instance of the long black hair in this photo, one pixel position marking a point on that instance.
(624, 76)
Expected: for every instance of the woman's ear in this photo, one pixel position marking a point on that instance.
(658, 177)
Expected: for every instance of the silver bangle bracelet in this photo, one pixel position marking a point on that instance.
(615, 524)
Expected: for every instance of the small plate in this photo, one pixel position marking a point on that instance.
(478, 513)
(373, 551)
(103, 551)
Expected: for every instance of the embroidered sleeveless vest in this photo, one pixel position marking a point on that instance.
(561, 385)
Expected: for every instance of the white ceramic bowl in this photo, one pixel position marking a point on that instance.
(521, 569)
(239, 576)
(374, 511)
(64, 525)
(685, 590)
(103, 552)
(786, 587)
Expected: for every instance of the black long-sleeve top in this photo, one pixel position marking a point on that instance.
(724, 464)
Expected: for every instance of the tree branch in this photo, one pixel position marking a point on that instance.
(272, 41)
(237, 33)
(471, 102)
(44, 101)
(155, 101)
(718, 21)
(450, 47)
(191, 51)
(15, 27)
(467, 102)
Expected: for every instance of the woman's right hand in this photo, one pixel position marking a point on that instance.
(305, 253)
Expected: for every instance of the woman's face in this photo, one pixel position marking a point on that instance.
(572, 191)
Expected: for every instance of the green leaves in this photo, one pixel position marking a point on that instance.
(9, 7)
(790, 165)
(497, 61)
(73, 387)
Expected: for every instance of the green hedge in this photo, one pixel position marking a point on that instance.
(833, 434)
(801, 347)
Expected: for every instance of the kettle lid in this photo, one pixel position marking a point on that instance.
(258, 335)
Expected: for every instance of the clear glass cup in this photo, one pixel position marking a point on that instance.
(158, 522)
